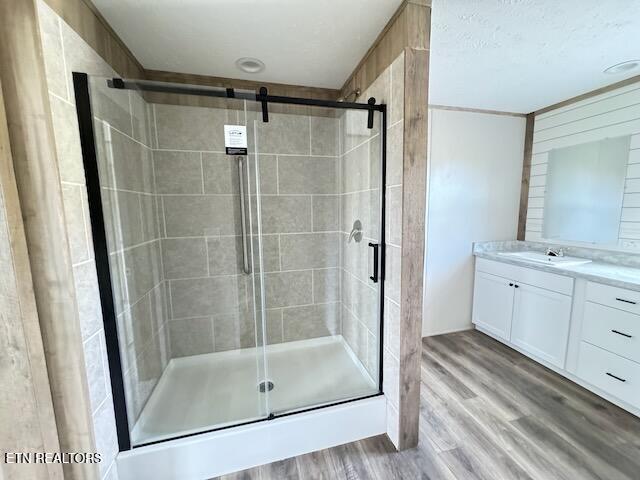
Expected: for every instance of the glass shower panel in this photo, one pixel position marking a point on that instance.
(245, 285)
(185, 273)
(319, 209)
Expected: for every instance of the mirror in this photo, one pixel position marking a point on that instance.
(583, 199)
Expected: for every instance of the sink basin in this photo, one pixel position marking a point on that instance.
(538, 257)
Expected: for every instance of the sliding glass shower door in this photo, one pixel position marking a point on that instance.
(238, 282)
(185, 276)
(319, 226)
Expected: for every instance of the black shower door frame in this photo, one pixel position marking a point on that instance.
(89, 156)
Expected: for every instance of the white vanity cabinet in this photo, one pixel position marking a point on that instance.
(493, 304)
(609, 348)
(540, 325)
(528, 308)
(587, 331)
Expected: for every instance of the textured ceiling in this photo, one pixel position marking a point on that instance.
(303, 42)
(508, 55)
(522, 55)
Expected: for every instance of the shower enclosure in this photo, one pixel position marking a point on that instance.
(236, 285)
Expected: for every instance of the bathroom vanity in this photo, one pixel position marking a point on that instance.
(577, 316)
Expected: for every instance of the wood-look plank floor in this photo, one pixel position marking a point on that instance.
(487, 412)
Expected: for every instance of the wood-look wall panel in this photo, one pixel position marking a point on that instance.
(526, 175)
(22, 74)
(414, 185)
(418, 26)
(382, 52)
(409, 27)
(27, 421)
(83, 17)
(408, 31)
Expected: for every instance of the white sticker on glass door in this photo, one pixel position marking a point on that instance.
(235, 139)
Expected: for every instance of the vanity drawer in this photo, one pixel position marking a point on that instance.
(600, 368)
(615, 297)
(612, 329)
(530, 276)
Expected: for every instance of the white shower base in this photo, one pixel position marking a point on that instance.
(209, 391)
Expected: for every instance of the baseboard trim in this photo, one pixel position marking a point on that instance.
(453, 330)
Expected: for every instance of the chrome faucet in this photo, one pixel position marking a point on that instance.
(555, 252)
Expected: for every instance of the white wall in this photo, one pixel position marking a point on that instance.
(474, 195)
(612, 114)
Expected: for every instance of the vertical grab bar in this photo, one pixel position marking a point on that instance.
(243, 218)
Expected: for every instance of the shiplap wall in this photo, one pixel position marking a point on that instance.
(611, 114)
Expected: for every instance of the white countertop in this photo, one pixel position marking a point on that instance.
(595, 271)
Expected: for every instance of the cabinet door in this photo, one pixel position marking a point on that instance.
(541, 323)
(493, 304)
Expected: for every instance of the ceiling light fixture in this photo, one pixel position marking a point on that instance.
(623, 67)
(250, 65)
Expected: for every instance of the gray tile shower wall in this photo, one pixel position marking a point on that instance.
(393, 234)
(359, 200)
(212, 300)
(304, 173)
(125, 163)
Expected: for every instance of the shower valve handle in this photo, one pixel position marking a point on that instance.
(356, 232)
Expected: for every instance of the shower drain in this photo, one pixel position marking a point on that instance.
(265, 386)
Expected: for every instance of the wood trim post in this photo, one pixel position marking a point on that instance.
(31, 138)
(526, 176)
(27, 422)
(414, 185)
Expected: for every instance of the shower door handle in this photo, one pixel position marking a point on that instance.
(243, 218)
(376, 259)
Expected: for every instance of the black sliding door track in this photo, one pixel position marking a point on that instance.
(161, 87)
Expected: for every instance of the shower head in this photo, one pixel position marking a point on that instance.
(355, 93)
